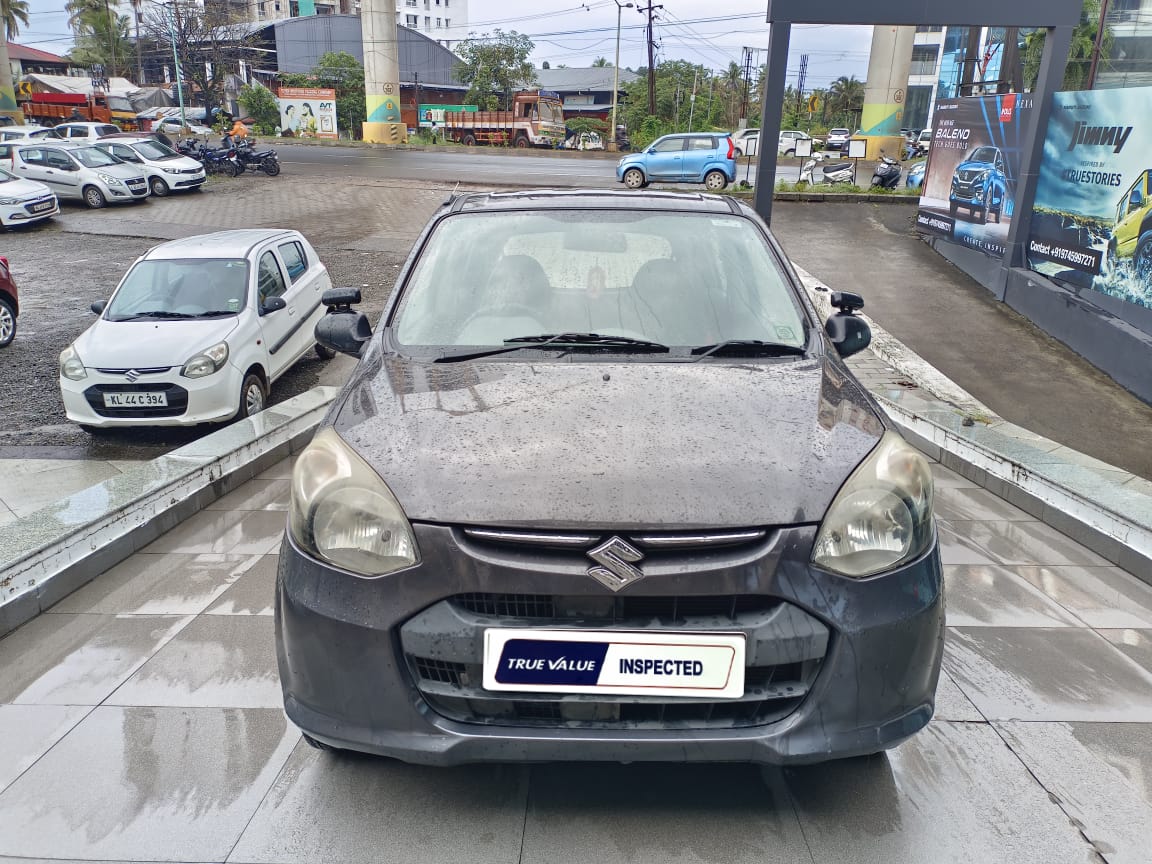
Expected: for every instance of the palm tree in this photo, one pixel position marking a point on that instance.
(601, 62)
(77, 8)
(846, 96)
(14, 14)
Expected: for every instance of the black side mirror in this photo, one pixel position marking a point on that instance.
(344, 330)
(99, 306)
(272, 304)
(849, 334)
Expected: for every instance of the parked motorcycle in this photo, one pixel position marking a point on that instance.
(222, 161)
(257, 160)
(887, 173)
(835, 172)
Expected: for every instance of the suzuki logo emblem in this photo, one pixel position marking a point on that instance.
(616, 558)
(131, 375)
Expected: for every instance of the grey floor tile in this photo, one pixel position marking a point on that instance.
(78, 659)
(282, 470)
(946, 478)
(172, 583)
(257, 494)
(996, 596)
(1102, 775)
(26, 734)
(254, 532)
(656, 813)
(952, 704)
(1136, 644)
(351, 809)
(217, 661)
(251, 594)
(1065, 674)
(1011, 543)
(964, 503)
(952, 793)
(1103, 597)
(171, 784)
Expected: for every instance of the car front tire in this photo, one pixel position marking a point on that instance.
(634, 178)
(7, 323)
(253, 396)
(94, 198)
(159, 187)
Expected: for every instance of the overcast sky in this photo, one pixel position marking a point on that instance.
(710, 32)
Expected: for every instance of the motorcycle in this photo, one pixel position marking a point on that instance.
(887, 173)
(222, 161)
(837, 172)
(263, 160)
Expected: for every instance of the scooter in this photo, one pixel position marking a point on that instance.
(837, 172)
(887, 173)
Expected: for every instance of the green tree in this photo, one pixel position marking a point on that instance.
(846, 96)
(1080, 54)
(495, 66)
(601, 62)
(14, 13)
(259, 103)
(102, 38)
(339, 71)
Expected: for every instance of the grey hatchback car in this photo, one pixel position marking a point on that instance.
(602, 488)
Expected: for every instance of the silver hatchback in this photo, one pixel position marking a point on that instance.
(81, 173)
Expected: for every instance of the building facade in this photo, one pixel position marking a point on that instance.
(446, 21)
(586, 92)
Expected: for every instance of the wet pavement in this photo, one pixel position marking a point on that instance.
(140, 720)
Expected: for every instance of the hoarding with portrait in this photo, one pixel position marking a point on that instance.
(307, 112)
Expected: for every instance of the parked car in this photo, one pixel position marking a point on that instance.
(915, 178)
(24, 201)
(696, 157)
(85, 133)
(26, 132)
(746, 141)
(788, 139)
(82, 173)
(167, 170)
(198, 331)
(154, 135)
(476, 568)
(979, 184)
(9, 304)
(838, 139)
(173, 126)
(924, 142)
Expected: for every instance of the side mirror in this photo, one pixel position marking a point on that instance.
(849, 334)
(344, 331)
(272, 304)
(99, 306)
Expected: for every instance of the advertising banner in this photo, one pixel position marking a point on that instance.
(308, 112)
(973, 169)
(432, 116)
(1092, 222)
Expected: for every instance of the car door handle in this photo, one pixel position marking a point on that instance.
(291, 310)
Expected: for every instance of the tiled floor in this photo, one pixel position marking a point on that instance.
(140, 720)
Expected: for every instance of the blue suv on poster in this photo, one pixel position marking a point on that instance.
(695, 157)
(980, 184)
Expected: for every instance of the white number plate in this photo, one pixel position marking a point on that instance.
(698, 665)
(135, 400)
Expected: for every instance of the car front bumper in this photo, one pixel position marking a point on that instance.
(23, 214)
(347, 649)
(212, 398)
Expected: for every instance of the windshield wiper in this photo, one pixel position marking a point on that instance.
(213, 313)
(747, 348)
(565, 340)
(156, 313)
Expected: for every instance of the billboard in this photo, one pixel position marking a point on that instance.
(973, 170)
(307, 112)
(432, 116)
(1092, 221)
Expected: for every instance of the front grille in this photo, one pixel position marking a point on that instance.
(650, 540)
(154, 370)
(177, 399)
(442, 650)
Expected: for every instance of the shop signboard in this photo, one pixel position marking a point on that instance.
(1092, 221)
(308, 112)
(432, 116)
(973, 170)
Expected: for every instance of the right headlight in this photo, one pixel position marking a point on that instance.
(882, 517)
(343, 513)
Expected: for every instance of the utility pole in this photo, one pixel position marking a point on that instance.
(801, 82)
(692, 98)
(176, 60)
(136, 12)
(747, 76)
(650, 9)
(616, 76)
(1098, 46)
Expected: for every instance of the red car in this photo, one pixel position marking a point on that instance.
(9, 305)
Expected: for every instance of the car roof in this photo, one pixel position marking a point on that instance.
(25, 127)
(236, 243)
(58, 143)
(87, 123)
(591, 199)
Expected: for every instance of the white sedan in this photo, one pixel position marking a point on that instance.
(24, 201)
(167, 170)
(197, 331)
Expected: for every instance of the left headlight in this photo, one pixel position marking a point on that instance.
(8, 202)
(343, 513)
(206, 362)
(882, 516)
(71, 366)
(110, 180)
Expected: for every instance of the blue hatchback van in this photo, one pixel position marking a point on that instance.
(693, 157)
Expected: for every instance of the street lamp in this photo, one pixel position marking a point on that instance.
(620, 7)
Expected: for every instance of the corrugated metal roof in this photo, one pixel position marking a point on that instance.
(33, 55)
(579, 80)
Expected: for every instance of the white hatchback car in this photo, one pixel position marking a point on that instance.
(167, 170)
(24, 201)
(197, 331)
(86, 133)
(88, 174)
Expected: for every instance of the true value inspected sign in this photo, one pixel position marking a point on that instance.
(308, 112)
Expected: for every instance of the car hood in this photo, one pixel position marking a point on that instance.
(149, 344)
(123, 172)
(609, 445)
(975, 166)
(24, 189)
(184, 163)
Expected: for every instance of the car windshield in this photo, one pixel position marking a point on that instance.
(181, 288)
(155, 151)
(93, 157)
(679, 279)
(5, 176)
(983, 154)
(838, 132)
(45, 133)
(550, 112)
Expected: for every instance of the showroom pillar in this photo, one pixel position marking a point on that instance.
(381, 73)
(886, 90)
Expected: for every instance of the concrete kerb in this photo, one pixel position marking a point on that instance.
(49, 554)
(1112, 518)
